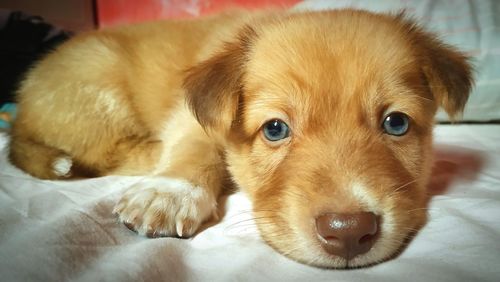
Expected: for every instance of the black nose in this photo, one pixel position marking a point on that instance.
(347, 235)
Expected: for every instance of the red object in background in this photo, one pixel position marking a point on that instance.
(113, 12)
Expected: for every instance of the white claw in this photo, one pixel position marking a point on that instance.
(179, 227)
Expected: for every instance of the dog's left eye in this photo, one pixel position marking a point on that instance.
(276, 130)
(396, 124)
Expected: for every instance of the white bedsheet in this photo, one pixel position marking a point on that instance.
(54, 231)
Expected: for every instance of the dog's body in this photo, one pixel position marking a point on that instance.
(288, 106)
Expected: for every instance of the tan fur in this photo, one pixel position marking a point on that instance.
(188, 99)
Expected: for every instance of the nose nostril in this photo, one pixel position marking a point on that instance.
(330, 238)
(366, 239)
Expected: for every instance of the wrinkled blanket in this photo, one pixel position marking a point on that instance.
(55, 231)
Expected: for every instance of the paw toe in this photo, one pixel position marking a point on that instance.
(130, 226)
(160, 212)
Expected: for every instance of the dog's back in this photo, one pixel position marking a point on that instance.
(103, 97)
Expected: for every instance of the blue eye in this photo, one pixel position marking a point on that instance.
(396, 124)
(275, 130)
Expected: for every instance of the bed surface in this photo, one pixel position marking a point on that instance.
(53, 231)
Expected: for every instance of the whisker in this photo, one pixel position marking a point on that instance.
(278, 235)
(425, 98)
(395, 242)
(258, 218)
(418, 209)
(405, 185)
(292, 250)
(411, 229)
(396, 191)
(255, 220)
(248, 212)
(243, 228)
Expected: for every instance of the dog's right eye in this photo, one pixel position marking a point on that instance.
(276, 130)
(396, 124)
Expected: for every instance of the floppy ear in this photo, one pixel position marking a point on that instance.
(213, 87)
(447, 71)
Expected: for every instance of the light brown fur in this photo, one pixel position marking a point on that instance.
(188, 99)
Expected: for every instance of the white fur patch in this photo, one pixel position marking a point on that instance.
(165, 207)
(109, 101)
(62, 166)
(361, 193)
(374, 205)
(106, 98)
(170, 136)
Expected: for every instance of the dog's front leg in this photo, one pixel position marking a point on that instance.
(176, 201)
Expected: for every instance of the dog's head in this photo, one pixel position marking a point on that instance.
(327, 122)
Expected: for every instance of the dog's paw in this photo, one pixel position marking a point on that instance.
(62, 166)
(158, 207)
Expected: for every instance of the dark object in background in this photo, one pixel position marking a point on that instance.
(23, 40)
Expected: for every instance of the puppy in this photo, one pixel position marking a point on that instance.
(324, 119)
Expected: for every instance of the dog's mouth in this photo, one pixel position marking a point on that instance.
(372, 257)
(340, 241)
